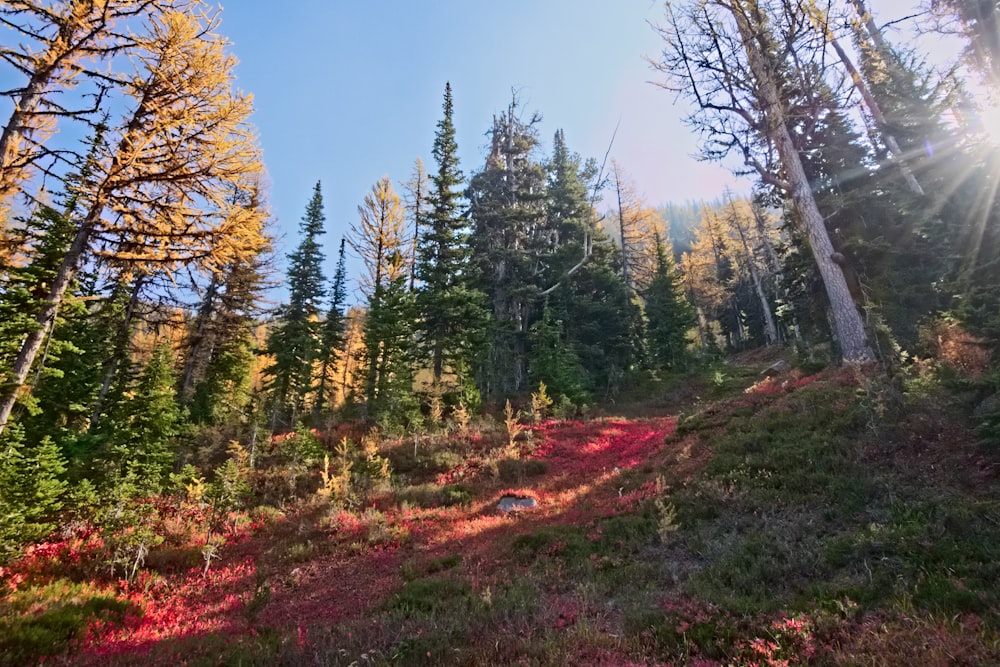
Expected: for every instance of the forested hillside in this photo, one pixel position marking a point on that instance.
(530, 417)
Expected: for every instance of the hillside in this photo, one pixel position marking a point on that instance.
(832, 519)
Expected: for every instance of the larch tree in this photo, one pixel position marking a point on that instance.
(636, 225)
(157, 191)
(295, 342)
(380, 238)
(65, 48)
(732, 58)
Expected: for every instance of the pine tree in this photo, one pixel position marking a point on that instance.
(333, 337)
(509, 241)
(294, 342)
(143, 427)
(451, 313)
(669, 315)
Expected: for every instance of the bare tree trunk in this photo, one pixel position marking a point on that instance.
(770, 328)
(847, 323)
(895, 152)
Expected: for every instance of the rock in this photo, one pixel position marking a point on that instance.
(987, 406)
(515, 504)
(780, 366)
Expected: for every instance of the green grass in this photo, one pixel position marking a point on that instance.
(60, 613)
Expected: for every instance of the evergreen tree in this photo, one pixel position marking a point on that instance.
(388, 340)
(333, 336)
(143, 427)
(294, 342)
(590, 301)
(31, 488)
(554, 360)
(451, 313)
(669, 315)
(509, 241)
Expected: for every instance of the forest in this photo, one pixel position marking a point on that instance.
(548, 421)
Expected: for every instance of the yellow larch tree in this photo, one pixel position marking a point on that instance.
(157, 192)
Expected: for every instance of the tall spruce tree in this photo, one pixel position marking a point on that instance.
(509, 240)
(294, 341)
(669, 315)
(590, 302)
(333, 337)
(450, 308)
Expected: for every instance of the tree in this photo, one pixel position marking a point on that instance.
(450, 309)
(143, 427)
(745, 52)
(333, 336)
(637, 226)
(668, 314)
(64, 46)
(509, 241)
(416, 191)
(588, 305)
(31, 489)
(156, 194)
(379, 238)
(294, 342)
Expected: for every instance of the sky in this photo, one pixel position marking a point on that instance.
(346, 92)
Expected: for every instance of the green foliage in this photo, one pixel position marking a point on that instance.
(426, 596)
(332, 333)
(294, 341)
(554, 362)
(669, 316)
(31, 490)
(450, 308)
(142, 430)
(61, 613)
(388, 333)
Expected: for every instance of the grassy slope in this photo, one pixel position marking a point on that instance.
(821, 520)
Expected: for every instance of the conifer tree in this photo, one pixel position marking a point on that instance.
(333, 336)
(668, 313)
(588, 298)
(143, 427)
(380, 240)
(156, 193)
(31, 488)
(294, 342)
(451, 313)
(509, 241)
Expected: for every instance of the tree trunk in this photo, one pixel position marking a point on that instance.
(847, 323)
(895, 152)
(33, 342)
(770, 328)
(117, 354)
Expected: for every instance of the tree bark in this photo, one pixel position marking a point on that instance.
(848, 326)
(33, 342)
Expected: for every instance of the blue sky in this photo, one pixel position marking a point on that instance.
(348, 91)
